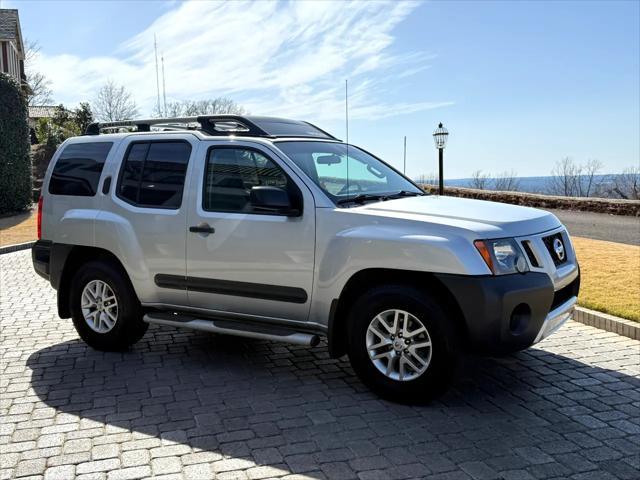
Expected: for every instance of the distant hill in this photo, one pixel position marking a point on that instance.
(530, 184)
(526, 184)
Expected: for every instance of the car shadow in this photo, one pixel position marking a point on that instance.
(12, 220)
(296, 410)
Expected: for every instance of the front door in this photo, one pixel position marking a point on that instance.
(240, 259)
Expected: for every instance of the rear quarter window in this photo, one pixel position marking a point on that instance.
(77, 171)
(152, 173)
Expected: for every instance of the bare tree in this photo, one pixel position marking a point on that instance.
(114, 103)
(479, 180)
(428, 179)
(573, 180)
(219, 105)
(507, 181)
(588, 180)
(39, 84)
(627, 184)
(564, 178)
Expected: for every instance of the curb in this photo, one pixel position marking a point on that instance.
(16, 247)
(610, 323)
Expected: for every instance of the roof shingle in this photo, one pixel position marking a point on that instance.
(9, 24)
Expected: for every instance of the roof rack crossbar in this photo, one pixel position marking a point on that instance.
(214, 125)
(142, 125)
(206, 123)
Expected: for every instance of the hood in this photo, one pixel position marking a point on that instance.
(488, 219)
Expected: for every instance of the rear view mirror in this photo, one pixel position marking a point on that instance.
(330, 159)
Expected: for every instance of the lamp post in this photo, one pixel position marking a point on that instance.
(440, 136)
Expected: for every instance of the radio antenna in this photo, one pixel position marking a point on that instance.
(346, 118)
(346, 108)
(164, 88)
(404, 169)
(155, 47)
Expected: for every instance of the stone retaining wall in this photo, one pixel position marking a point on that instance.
(598, 205)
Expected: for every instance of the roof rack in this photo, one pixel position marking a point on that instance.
(219, 125)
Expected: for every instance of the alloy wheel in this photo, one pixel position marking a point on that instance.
(99, 306)
(399, 345)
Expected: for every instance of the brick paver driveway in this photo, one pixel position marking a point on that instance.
(191, 405)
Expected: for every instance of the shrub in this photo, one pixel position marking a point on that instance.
(15, 160)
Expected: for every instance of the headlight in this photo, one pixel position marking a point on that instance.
(502, 256)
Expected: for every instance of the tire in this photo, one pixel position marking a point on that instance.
(441, 357)
(127, 328)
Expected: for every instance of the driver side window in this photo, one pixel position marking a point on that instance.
(232, 172)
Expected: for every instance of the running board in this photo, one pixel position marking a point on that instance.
(231, 327)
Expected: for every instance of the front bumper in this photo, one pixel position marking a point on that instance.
(556, 318)
(511, 312)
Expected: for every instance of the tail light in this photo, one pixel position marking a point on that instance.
(39, 218)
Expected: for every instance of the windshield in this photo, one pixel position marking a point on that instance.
(359, 176)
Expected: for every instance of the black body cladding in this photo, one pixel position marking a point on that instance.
(227, 287)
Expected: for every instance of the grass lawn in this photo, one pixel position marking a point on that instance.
(610, 271)
(18, 229)
(610, 280)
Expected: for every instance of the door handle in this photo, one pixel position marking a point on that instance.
(106, 185)
(202, 228)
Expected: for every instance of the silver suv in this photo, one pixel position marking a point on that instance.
(274, 229)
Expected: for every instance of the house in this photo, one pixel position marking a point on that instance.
(38, 112)
(11, 47)
(35, 114)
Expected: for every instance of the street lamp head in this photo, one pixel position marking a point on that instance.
(440, 136)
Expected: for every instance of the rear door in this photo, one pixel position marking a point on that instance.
(71, 198)
(251, 263)
(143, 218)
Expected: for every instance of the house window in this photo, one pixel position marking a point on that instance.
(4, 57)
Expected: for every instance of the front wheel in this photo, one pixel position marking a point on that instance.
(104, 306)
(402, 343)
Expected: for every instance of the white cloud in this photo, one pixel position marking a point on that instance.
(274, 58)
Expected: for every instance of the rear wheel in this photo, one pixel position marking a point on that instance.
(402, 343)
(106, 312)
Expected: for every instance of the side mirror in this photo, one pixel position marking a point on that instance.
(272, 200)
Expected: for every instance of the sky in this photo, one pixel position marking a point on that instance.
(519, 85)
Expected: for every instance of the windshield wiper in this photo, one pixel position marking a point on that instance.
(371, 197)
(405, 193)
(361, 198)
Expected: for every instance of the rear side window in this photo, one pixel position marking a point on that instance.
(77, 171)
(152, 174)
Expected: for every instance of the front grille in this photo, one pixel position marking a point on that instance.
(549, 243)
(526, 244)
(566, 293)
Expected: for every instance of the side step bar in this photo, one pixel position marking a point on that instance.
(231, 327)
